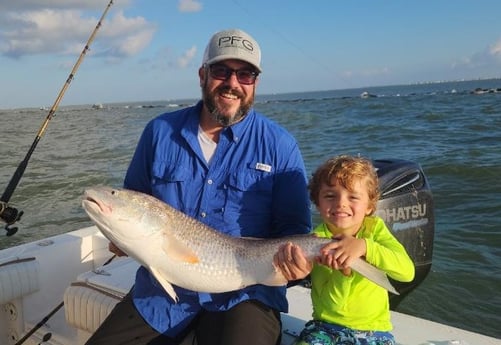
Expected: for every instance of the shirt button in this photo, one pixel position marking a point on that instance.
(209, 181)
(203, 214)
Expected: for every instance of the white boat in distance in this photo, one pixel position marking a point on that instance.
(58, 290)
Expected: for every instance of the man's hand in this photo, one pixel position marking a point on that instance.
(115, 250)
(292, 262)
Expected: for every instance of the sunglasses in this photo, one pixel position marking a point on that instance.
(245, 76)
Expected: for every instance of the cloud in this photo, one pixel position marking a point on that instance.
(189, 6)
(37, 30)
(495, 50)
(489, 57)
(165, 58)
(43, 31)
(24, 5)
(187, 57)
(127, 36)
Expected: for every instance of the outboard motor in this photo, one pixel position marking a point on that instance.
(406, 206)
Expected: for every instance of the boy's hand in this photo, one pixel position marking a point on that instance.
(340, 253)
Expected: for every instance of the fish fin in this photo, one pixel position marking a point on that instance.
(178, 251)
(374, 274)
(165, 284)
(253, 238)
(276, 278)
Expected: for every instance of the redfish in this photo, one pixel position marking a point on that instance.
(180, 250)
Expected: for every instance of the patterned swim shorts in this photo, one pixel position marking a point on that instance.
(321, 333)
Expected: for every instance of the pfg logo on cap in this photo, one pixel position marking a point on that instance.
(235, 41)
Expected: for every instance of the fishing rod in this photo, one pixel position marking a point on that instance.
(9, 214)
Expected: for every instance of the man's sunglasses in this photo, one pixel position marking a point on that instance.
(245, 76)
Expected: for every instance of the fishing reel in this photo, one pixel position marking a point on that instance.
(9, 215)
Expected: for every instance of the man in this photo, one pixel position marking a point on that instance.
(230, 167)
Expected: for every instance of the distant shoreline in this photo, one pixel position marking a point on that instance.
(185, 101)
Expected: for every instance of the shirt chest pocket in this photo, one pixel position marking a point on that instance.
(166, 173)
(169, 183)
(251, 181)
(250, 192)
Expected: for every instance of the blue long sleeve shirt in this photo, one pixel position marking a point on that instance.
(254, 186)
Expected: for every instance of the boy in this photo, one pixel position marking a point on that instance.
(348, 308)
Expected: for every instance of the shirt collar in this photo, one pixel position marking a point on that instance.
(236, 131)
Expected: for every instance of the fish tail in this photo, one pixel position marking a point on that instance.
(374, 274)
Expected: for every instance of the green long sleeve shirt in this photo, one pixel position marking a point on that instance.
(354, 301)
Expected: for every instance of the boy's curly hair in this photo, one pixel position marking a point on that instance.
(346, 170)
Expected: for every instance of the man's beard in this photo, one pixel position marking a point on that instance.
(218, 114)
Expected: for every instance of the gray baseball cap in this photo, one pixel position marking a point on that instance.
(233, 44)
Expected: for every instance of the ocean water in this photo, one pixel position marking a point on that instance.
(454, 134)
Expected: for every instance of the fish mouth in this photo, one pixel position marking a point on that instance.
(92, 204)
(89, 198)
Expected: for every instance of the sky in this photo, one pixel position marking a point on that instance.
(150, 50)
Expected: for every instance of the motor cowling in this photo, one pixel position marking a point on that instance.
(406, 206)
